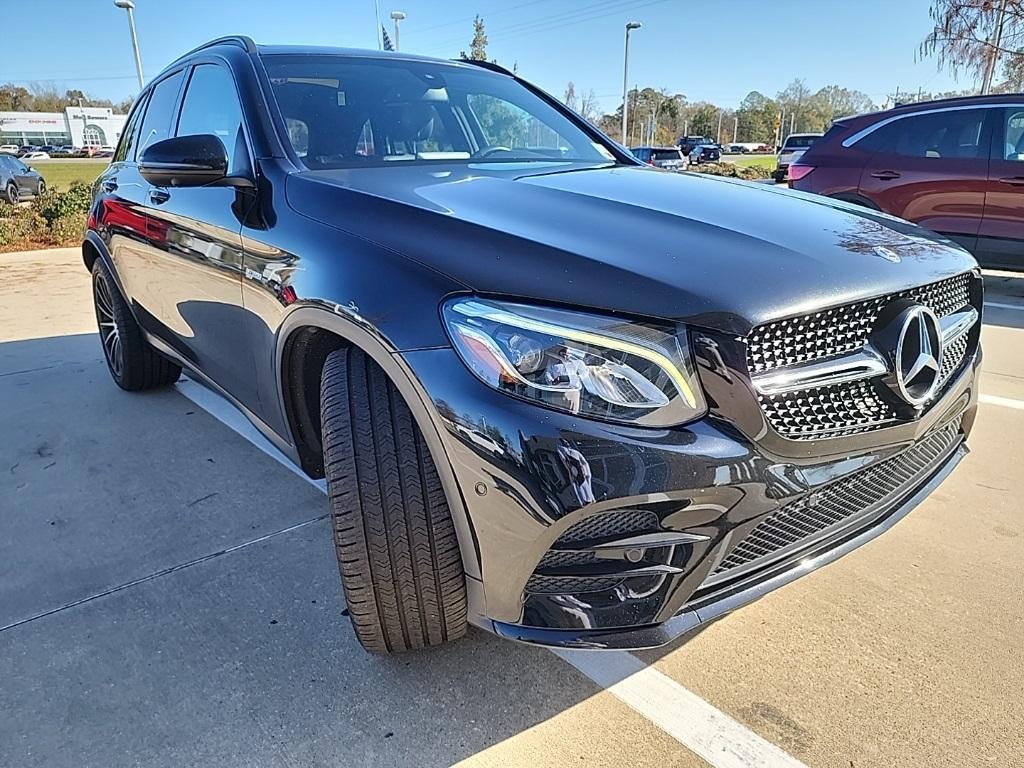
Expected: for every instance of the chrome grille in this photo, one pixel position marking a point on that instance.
(842, 501)
(843, 329)
(842, 409)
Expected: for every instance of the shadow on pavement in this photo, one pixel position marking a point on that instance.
(240, 659)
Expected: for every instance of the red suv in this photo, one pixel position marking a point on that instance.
(954, 166)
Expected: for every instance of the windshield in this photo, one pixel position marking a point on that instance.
(349, 112)
(800, 142)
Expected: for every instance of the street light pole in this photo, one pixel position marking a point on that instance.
(129, 6)
(630, 26)
(397, 16)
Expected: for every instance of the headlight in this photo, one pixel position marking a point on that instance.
(602, 367)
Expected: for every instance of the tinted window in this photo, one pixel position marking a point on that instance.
(1013, 134)
(130, 137)
(211, 106)
(347, 112)
(668, 154)
(156, 126)
(800, 142)
(952, 134)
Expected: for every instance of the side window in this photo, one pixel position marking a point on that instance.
(1013, 134)
(156, 125)
(940, 135)
(211, 106)
(126, 147)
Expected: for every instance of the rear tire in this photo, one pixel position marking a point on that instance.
(11, 193)
(393, 532)
(131, 360)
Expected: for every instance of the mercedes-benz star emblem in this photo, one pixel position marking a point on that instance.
(917, 355)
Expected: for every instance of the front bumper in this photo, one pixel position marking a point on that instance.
(530, 476)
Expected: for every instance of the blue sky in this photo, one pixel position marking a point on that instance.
(717, 51)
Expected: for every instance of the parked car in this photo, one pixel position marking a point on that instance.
(9, 149)
(669, 158)
(705, 153)
(687, 143)
(955, 166)
(26, 148)
(792, 149)
(103, 152)
(62, 151)
(553, 394)
(36, 155)
(18, 180)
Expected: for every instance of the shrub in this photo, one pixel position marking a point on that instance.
(24, 225)
(55, 205)
(68, 229)
(732, 170)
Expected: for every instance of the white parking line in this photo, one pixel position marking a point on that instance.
(1005, 402)
(697, 725)
(1002, 305)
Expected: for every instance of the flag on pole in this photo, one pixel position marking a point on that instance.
(387, 40)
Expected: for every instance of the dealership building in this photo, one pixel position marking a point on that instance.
(75, 126)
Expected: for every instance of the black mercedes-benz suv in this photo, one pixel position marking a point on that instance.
(555, 394)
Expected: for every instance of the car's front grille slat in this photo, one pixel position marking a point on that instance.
(841, 502)
(837, 410)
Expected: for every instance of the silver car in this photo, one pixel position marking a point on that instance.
(669, 158)
(17, 179)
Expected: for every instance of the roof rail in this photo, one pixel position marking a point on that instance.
(240, 40)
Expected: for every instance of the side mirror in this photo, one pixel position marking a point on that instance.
(185, 161)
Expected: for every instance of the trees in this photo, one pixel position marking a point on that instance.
(756, 118)
(478, 45)
(965, 33)
(43, 98)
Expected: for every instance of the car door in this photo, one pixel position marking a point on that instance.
(194, 291)
(24, 177)
(932, 169)
(123, 194)
(118, 204)
(1001, 238)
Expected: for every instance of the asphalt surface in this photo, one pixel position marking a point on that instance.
(169, 596)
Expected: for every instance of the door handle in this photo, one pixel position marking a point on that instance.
(109, 185)
(1017, 181)
(158, 196)
(885, 175)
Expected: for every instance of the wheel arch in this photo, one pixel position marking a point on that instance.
(306, 337)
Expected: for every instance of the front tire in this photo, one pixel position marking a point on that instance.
(133, 363)
(11, 193)
(393, 532)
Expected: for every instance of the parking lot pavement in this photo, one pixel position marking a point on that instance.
(169, 596)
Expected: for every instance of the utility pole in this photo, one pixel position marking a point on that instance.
(129, 6)
(718, 138)
(735, 130)
(380, 27)
(993, 56)
(630, 26)
(792, 122)
(397, 16)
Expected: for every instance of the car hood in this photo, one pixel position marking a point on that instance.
(709, 251)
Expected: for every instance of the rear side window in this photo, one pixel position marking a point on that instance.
(211, 106)
(156, 125)
(1013, 134)
(130, 137)
(668, 154)
(956, 134)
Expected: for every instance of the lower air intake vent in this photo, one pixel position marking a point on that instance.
(840, 503)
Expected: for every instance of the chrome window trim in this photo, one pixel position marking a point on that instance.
(865, 363)
(863, 132)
